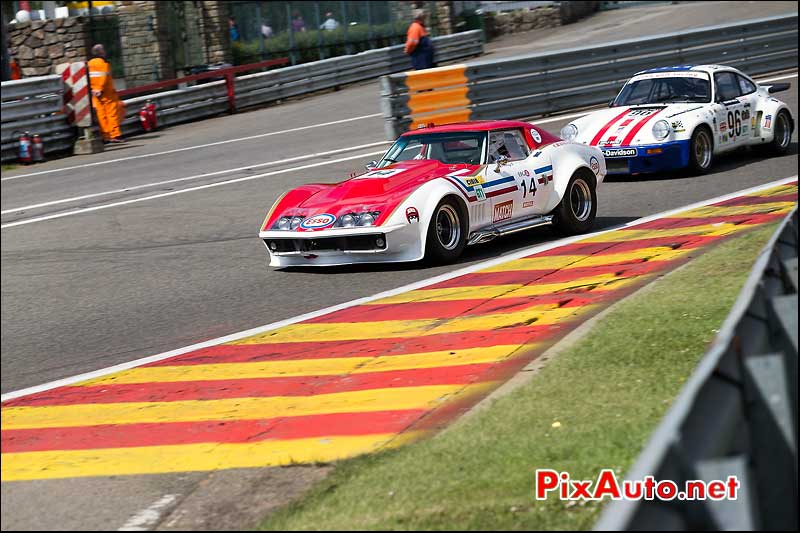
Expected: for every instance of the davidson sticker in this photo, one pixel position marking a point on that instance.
(503, 211)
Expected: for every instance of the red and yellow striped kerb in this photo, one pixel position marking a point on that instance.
(357, 380)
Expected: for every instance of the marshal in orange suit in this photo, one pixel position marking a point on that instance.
(107, 106)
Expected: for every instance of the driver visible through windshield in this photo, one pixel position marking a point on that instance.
(448, 148)
(684, 87)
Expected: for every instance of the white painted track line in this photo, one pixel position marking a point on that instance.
(393, 292)
(182, 191)
(197, 147)
(195, 177)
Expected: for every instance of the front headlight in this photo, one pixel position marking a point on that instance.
(366, 218)
(569, 132)
(661, 129)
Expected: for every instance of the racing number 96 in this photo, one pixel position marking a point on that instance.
(735, 122)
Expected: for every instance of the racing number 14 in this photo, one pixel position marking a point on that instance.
(530, 188)
(735, 122)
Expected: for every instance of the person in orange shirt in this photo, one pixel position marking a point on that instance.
(108, 107)
(418, 44)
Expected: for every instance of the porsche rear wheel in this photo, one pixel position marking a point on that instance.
(701, 151)
(782, 136)
(578, 208)
(447, 233)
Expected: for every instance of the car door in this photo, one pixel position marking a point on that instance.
(749, 97)
(507, 152)
(729, 110)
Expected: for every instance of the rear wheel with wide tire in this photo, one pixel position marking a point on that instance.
(701, 151)
(782, 136)
(447, 232)
(578, 208)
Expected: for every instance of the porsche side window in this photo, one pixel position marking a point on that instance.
(727, 86)
(509, 144)
(636, 93)
(746, 86)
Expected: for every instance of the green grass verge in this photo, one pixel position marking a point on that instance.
(608, 392)
(8, 167)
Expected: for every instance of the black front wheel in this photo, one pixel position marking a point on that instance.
(447, 233)
(578, 208)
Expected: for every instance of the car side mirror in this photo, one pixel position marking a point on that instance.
(372, 165)
(501, 162)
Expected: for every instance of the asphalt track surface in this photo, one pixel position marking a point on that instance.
(102, 287)
(86, 291)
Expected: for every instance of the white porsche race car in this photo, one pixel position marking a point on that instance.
(436, 191)
(683, 117)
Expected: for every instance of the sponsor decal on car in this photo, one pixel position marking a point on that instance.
(594, 164)
(479, 193)
(620, 152)
(768, 121)
(525, 173)
(475, 181)
(536, 136)
(527, 204)
(503, 211)
(753, 122)
(412, 215)
(723, 126)
(746, 114)
(677, 126)
(670, 74)
(318, 221)
(383, 173)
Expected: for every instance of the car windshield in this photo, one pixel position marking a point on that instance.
(449, 148)
(667, 89)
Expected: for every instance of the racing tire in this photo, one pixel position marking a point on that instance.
(701, 151)
(578, 208)
(782, 138)
(447, 233)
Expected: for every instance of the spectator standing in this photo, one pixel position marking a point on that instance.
(298, 24)
(418, 44)
(330, 23)
(108, 107)
(234, 29)
(266, 30)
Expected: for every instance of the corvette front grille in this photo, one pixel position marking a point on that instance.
(349, 243)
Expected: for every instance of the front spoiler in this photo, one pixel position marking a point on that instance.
(404, 242)
(672, 155)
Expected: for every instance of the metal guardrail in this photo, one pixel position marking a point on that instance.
(256, 89)
(25, 97)
(211, 99)
(33, 105)
(545, 83)
(736, 415)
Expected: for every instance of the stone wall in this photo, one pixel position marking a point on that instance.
(144, 43)
(145, 34)
(216, 33)
(522, 21)
(39, 45)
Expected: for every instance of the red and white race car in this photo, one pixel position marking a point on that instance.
(436, 191)
(684, 116)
